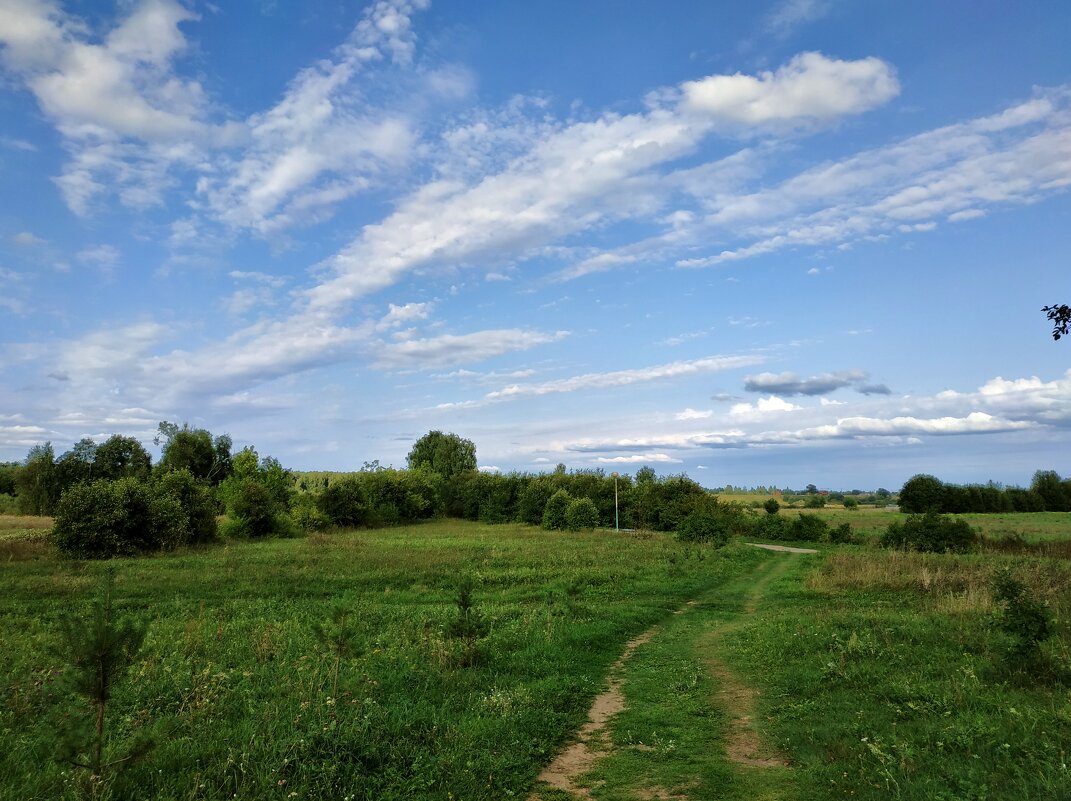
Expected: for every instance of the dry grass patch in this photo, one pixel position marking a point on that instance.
(955, 584)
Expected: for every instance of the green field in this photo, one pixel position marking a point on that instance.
(859, 673)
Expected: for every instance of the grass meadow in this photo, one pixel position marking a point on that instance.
(873, 674)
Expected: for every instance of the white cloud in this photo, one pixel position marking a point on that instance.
(400, 315)
(693, 414)
(583, 175)
(620, 378)
(1016, 156)
(451, 349)
(809, 88)
(99, 256)
(788, 15)
(761, 408)
(639, 458)
(27, 239)
(322, 142)
(966, 214)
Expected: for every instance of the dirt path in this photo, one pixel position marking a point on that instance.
(743, 743)
(781, 548)
(579, 757)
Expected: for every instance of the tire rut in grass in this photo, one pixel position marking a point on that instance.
(743, 744)
(579, 757)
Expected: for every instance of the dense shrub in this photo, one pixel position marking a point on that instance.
(808, 528)
(532, 500)
(253, 504)
(841, 534)
(771, 506)
(582, 513)
(705, 526)
(103, 519)
(931, 532)
(197, 501)
(554, 513)
(344, 503)
(770, 527)
(306, 515)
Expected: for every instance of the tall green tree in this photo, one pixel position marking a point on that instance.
(445, 454)
(922, 493)
(38, 489)
(195, 450)
(121, 457)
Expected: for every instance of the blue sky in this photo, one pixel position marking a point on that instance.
(762, 243)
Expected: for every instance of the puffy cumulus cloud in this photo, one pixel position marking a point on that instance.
(452, 349)
(791, 384)
(809, 88)
(401, 315)
(126, 116)
(761, 408)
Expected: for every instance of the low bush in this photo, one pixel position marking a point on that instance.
(706, 527)
(809, 528)
(103, 519)
(581, 514)
(931, 532)
(554, 512)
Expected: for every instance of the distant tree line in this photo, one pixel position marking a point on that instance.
(925, 493)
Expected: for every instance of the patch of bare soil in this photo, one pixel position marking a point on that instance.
(782, 548)
(579, 757)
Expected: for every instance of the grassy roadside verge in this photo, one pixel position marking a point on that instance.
(237, 690)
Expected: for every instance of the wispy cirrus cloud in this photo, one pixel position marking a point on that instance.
(452, 349)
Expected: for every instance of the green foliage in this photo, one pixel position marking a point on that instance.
(556, 508)
(851, 504)
(469, 626)
(533, 500)
(306, 514)
(771, 506)
(195, 450)
(339, 639)
(345, 503)
(96, 654)
(445, 454)
(197, 501)
(770, 527)
(705, 526)
(121, 457)
(841, 535)
(103, 519)
(807, 528)
(38, 489)
(581, 514)
(815, 502)
(922, 493)
(931, 532)
(1055, 492)
(1027, 620)
(251, 502)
